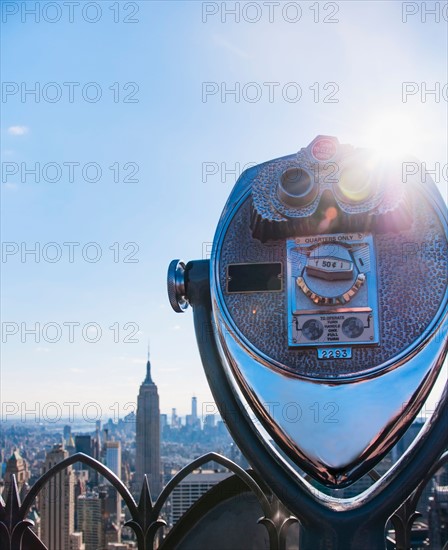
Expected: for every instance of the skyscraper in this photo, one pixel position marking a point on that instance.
(90, 520)
(113, 462)
(88, 445)
(67, 432)
(84, 444)
(58, 503)
(192, 419)
(194, 408)
(148, 435)
(113, 456)
(19, 467)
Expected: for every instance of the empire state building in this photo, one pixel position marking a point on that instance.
(148, 435)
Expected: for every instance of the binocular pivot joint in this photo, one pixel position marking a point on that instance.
(176, 286)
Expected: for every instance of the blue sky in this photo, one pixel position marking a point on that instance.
(169, 133)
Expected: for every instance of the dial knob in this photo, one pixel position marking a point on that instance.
(330, 276)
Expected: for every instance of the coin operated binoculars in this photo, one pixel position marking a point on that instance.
(321, 319)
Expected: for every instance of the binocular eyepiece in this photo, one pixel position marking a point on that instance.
(347, 189)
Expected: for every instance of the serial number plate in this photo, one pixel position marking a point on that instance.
(334, 353)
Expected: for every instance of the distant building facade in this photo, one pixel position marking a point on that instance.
(57, 503)
(90, 520)
(191, 489)
(438, 516)
(76, 542)
(113, 462)
(17, 466)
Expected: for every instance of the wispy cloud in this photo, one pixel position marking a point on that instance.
(18, 130)
(11, 186)
(172, 369)
(133, 360)
(220, 41)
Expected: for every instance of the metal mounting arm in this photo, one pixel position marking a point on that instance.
(327, 523)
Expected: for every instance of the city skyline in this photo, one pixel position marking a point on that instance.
(78, 509)
(89, 513)
(94, 502)
(92, 412)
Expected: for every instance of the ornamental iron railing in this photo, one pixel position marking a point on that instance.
(146, 516)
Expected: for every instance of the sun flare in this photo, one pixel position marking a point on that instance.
(392, 134)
